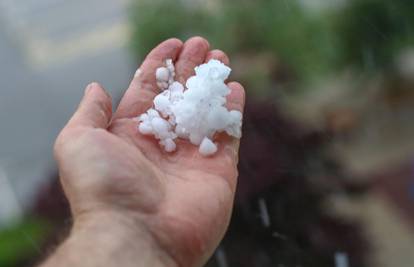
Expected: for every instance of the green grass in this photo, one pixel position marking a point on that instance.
(21, 241)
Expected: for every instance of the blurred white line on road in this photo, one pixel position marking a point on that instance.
(10, 209)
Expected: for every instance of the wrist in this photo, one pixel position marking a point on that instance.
(125, 234)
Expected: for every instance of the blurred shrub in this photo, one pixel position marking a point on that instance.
(373, 32)
(290, 169)
(300, 40)
(365, 34)
(22, 241)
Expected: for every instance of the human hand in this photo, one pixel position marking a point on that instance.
(112, 174)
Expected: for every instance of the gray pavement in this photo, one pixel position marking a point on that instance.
(49, 51)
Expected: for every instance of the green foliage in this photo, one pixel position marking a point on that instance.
(365, 34)
(373, 31)
(237, 27)
(157, 20)
(21, 241)
(283, 28)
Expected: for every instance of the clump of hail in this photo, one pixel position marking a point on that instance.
(195, 113)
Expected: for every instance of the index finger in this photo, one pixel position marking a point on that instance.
(143, 88)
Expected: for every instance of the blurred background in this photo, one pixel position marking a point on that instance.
(327, 156)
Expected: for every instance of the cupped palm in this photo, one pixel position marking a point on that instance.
(106, 165)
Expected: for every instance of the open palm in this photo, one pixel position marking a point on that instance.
(182, 198)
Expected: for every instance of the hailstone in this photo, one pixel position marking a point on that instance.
(195, 112)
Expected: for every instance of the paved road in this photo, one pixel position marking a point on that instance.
(49, 51)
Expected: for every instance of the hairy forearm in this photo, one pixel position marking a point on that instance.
(108, 240)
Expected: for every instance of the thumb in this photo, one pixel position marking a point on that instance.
(95, 109)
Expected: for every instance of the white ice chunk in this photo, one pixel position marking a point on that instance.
(207, 147)
(169, 145)
(152, 113)
(145, 128)
(176, 87)
(165, 75)
(161, 128)
(216, 119)
(143, 117)
(194, 113)
(170, 65)
(234, 126)
(162, 103)
(196, 138)
(213, 69)
(162, 74)
(181, 132)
